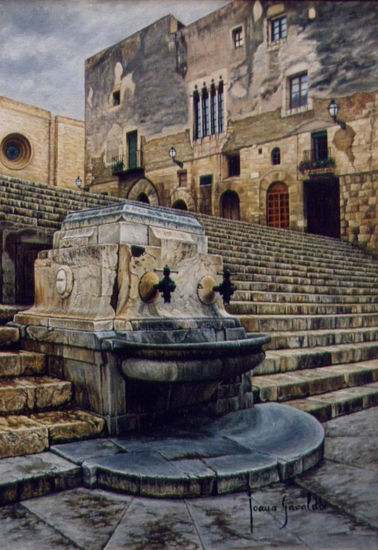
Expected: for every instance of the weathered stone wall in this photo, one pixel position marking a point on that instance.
(69, 151)
(51, 148)
(335, 43)
(35, 125)
(359, 213)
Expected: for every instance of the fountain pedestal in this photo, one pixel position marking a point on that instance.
(136, 355)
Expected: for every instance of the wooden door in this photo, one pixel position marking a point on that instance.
(230, 205)
(277, 206)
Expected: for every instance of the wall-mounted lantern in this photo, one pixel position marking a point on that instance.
(333, 109)
(172, 154)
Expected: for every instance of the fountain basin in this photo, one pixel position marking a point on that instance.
(187, 361)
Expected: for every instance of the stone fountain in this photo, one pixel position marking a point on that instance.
(129, 307)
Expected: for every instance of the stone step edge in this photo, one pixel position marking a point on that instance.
(17, 362)
(302, 339)
(291, 385)
(333, 264)
(9, 337)
(338, 403)
(27, 394)
(35, 475)
(35, 433)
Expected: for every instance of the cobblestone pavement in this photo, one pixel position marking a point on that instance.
(333, 506)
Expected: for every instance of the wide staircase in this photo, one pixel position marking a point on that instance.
(35, 409)
(317, 298)
(28, 203)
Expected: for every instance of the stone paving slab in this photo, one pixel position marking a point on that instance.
(347, 488)
(87, 518)
(79, 451)
(34, 475)
(191, 446)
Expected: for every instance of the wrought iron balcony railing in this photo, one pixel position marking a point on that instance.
(317, 160)
(122, 165)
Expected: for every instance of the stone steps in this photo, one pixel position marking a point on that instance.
(337, 403)
(317, 299)
(275, 323)
(305, 265)
(298, 297)
(236, 268)
(289, 308)
(268, 277)
(264, 236)
(273, 251)
(29, 203)
(35, 408)
(29, 434)
(32, 393)
(308, 289)
(316, 338)
(284, 360)
(300, 384)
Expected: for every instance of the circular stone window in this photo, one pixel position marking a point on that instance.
(15, 151)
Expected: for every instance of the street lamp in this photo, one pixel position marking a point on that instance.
(172, 154)
(79, 182)
(333, 109)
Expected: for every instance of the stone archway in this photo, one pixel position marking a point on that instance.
(182, 196)
(144, 188)
(230, 205)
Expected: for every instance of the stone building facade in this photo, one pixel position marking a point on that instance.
(243, 95)
(40, 147)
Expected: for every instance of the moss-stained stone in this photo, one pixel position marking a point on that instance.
(21, 435)
(35, 475)
(31, 393)
(9, 336)
(69, 425)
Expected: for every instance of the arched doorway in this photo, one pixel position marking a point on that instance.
(142, 197)
(230, 205)
(277, 206)
(143, 190)
(180, 205)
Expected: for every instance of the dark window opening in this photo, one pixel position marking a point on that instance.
(298, 91)
(319, 146)
(206, 180)
(237, 37)
(233, 165)
(213, 110)
(132, 149)
(276, 156)
(208, 110)
(278, 28)
(220, 107)
(116, 97)
(205, 112)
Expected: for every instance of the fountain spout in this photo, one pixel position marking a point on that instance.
(166, 286)
(226, 288)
